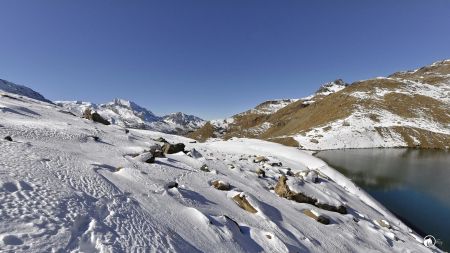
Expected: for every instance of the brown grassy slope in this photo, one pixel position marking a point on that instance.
(432, 74)
(203, 133)
(298, 117)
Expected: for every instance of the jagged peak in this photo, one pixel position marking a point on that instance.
(331, 87)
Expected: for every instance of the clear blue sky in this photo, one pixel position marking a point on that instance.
(212, 58)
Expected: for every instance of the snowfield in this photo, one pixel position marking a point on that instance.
(72, 185)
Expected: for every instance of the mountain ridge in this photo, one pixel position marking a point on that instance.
(405, 109)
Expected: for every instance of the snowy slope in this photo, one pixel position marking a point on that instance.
(21, 90)
(126, 113)
(62, 190)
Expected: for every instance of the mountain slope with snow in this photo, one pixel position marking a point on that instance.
(406, 109)
(21, 90)
(68, 184)
(128, 114)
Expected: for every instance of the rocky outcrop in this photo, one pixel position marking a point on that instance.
(282, 190)
(94, 116)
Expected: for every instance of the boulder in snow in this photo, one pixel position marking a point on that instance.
(8, 138)
(94, 116)
(168, 148)
(243, 203)
(221, 185)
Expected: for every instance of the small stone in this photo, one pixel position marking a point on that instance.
(8, 138)
(171, 185)
(204, 168)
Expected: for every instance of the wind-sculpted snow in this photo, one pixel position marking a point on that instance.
(72, 185)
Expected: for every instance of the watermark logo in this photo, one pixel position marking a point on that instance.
(429, 241)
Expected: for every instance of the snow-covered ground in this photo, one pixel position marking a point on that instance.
(71, 185)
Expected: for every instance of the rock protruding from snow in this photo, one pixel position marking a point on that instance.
(221, 185)
(94, 116)
(316, 216)
(242, 202)
(168, 148)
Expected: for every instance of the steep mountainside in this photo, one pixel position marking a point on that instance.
(128, 114)
(21, 90)
(406, 109)
(69, 184)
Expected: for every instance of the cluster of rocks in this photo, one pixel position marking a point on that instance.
(156, 151)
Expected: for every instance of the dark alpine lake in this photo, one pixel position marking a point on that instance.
(413, 184)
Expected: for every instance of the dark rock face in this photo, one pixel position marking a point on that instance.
(8, 138)
(97, 118)
(168, 148)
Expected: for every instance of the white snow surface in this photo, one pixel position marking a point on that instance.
(61, 190)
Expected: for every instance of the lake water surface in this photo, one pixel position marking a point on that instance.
(413, 184)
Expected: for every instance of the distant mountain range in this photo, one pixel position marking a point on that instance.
(405, 109)
(119, 112)
(128, 114)
(21, 90)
